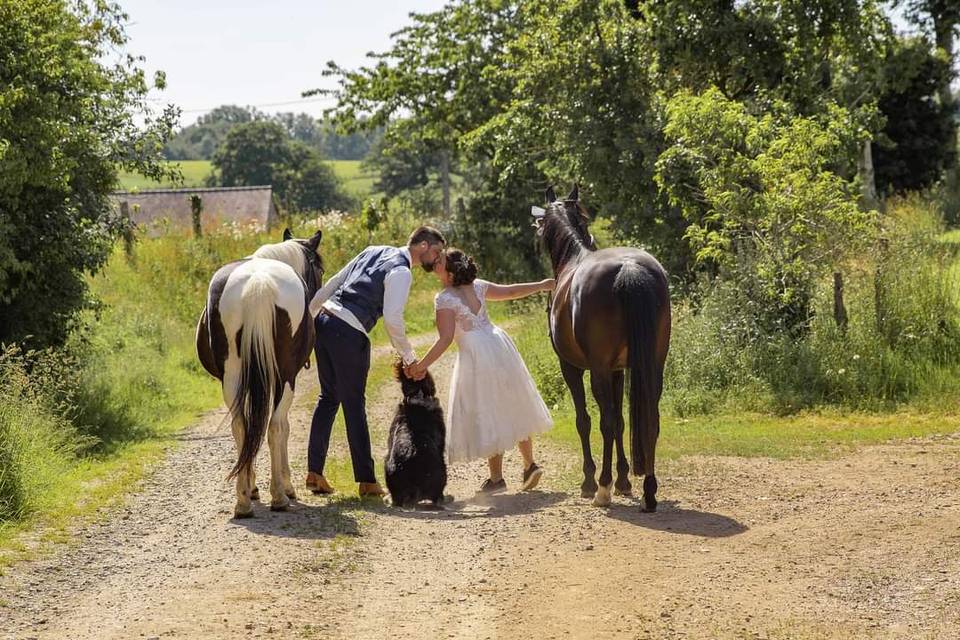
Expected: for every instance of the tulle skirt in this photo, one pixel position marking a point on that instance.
(494, 402)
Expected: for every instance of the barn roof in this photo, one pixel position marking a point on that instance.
(148, 207)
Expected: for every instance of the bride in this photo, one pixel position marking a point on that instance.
(494, 402)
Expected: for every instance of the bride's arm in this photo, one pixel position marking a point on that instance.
(521, 290)
(446, 325)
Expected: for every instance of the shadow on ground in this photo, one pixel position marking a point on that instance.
(671, 518)
(301, 520)
(495, 506)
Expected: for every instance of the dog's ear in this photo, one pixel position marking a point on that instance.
(398, 370)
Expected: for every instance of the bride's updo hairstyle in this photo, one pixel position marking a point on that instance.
(461, 267)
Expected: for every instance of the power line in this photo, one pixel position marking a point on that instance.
(254, 106)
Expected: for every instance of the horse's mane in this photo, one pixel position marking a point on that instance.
(564, 240)
(290, 252)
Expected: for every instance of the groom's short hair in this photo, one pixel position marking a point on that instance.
(428, 234)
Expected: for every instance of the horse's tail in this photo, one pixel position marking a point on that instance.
(641, 306)
(254, 400)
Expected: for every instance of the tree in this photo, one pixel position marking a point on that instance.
(915, 144)
(440, 80)
(942, 19)
(200, 140)
(760, 199)
(71, 112)
(522, 94)
(261, 153)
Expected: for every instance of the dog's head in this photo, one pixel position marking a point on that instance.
(414, 388)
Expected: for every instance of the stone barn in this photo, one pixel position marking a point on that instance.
(154, 209)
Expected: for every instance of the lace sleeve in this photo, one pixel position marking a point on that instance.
(443, 300)
(481, 288)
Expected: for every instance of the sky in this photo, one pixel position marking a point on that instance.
(258, 53)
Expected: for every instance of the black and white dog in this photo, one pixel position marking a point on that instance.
(415, 466)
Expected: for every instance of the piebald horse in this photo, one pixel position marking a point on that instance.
(254, 335)
(610, 312)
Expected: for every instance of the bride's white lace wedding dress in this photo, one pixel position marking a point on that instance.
(494, 402)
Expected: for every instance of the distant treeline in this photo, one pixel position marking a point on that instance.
(199, 141)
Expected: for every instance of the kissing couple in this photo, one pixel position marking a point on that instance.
(494, 403)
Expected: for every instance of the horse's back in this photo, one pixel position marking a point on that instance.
(277, 280)
(597, 325)
(231, 290)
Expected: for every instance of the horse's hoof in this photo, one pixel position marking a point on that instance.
(279, 506)
(240, 515)
(602, 499)
(628, 492)
(255, 494)
(291, 494)
(588, 489)
(646, 509)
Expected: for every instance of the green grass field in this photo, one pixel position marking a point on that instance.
(356, 181)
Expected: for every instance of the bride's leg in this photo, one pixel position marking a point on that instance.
(496, 467)
(526, 450)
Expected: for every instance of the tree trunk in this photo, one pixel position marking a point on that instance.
(839, 309)
(445, 181)
(944, 24)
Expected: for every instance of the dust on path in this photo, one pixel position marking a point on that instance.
(867, 545)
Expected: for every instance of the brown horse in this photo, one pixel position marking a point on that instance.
(610, 312)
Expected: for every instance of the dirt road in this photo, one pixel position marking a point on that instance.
(867, 545)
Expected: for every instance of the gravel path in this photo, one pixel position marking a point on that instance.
(867, 545)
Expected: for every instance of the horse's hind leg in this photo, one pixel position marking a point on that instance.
(574, 380)
(622, 486)
(284, 447)
(278, 459)
(602, 384)
(244, 481)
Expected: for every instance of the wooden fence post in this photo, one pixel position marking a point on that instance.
(196, 208)
(879, 294)
(129, 236)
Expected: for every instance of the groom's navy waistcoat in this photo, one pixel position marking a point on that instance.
(362, 290)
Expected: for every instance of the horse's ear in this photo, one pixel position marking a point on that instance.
(575, 194)
(287, 235)
(550, 196)
(314, 242)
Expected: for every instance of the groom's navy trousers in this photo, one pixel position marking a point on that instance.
(343, 362)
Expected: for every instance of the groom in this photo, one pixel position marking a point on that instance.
(375, 284)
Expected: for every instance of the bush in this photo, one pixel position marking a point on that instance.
(722, 357)
(37, 442)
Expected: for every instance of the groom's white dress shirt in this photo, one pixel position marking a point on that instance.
(396, 290)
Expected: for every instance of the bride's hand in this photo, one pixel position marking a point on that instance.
(416, 371)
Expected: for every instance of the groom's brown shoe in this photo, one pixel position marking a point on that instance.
(371, 490)
(318, 484)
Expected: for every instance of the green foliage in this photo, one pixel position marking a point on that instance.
(722, 358)
(261, 153)
(36, 441)
(763, 207)
(915, 146)
(69, 113)
(199, 141)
